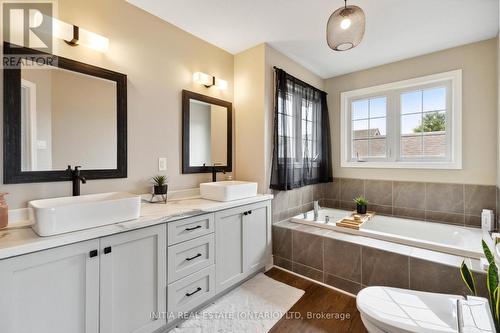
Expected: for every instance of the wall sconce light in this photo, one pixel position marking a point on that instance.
(74, 35)
(209, 81)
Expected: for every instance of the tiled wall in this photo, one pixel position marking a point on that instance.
(287, 204)
(459, 204)
(351, 267)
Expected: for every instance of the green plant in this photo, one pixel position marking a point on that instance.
(432, 122)
(361, 201)
(491, 283)
(160, 180)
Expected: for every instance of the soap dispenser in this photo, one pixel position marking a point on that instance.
(487, 220)
(4, 211)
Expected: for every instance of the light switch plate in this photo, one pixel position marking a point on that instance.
(162, 164)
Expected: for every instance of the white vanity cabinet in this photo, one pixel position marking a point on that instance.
(107, 285)
(133, 281)
(242, 240)
(52, 291)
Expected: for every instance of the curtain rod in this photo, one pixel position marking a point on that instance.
(299, 80)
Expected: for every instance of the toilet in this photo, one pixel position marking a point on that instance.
(393, 310)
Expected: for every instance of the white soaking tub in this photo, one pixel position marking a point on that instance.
(457, 240)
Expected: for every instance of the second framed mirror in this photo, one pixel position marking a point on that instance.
(206, 133)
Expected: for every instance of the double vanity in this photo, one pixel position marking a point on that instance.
(141, 275)
(111, 263)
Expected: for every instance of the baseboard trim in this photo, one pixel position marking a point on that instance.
(315, 281)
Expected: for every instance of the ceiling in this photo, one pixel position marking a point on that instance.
(395, 29)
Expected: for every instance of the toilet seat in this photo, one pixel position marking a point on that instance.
(393, 310)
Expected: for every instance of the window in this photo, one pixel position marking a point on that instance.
(297, 131)
(301, 135)
(369, 128)
(409, 124)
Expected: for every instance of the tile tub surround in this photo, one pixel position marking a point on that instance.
(350, 263)
(458, 204)
(287, 204)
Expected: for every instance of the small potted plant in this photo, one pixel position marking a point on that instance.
(160, 185)
(361, 205)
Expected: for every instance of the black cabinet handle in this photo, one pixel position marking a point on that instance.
(245, 213)
(193, 228)
(107, 250)
(196, 256)
(194, 292)
(93, 253)
(250, 212)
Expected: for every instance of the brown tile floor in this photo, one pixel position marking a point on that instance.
(318, 300)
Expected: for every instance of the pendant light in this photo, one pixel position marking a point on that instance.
(346, 28)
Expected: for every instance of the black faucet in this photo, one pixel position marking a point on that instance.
(76, 178)
(215, 171)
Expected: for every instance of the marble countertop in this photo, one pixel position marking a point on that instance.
(19, 238)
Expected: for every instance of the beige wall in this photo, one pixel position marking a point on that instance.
(83, 129)
(200, 152)
(159, 60)
(218, 134)
(249, 117)
(498, 111)
(43, 91)
(479, 64)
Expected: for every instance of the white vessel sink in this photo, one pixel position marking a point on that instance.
(60, 215)
(228, 190)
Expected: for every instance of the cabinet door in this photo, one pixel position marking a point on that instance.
(256, 238)
(133, 281)
(52, 291)
(228, 248)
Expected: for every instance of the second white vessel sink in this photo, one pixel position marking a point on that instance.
(60, 215)
(228, 190)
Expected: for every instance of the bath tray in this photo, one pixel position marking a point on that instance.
(355, 220)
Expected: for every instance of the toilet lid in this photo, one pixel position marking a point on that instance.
(401, 310)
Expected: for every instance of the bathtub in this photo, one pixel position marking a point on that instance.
(456, 240)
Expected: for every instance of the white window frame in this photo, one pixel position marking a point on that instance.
(451, 79)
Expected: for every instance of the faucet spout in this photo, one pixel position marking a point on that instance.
(76, 179)
(215, 171)
(317, 208)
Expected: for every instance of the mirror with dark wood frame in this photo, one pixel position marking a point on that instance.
(206, 133)
(62, 112)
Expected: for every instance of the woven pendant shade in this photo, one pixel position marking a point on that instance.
(346, 28)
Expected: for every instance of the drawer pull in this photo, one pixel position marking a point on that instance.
(107, 250)
(196, 256)
(245, 213)
(93, 253)
(193, 228)
(194, 292)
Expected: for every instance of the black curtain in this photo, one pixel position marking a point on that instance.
(301, 154)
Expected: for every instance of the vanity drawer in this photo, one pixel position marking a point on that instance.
(186, 294)
(189, 257)
(183, 230)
